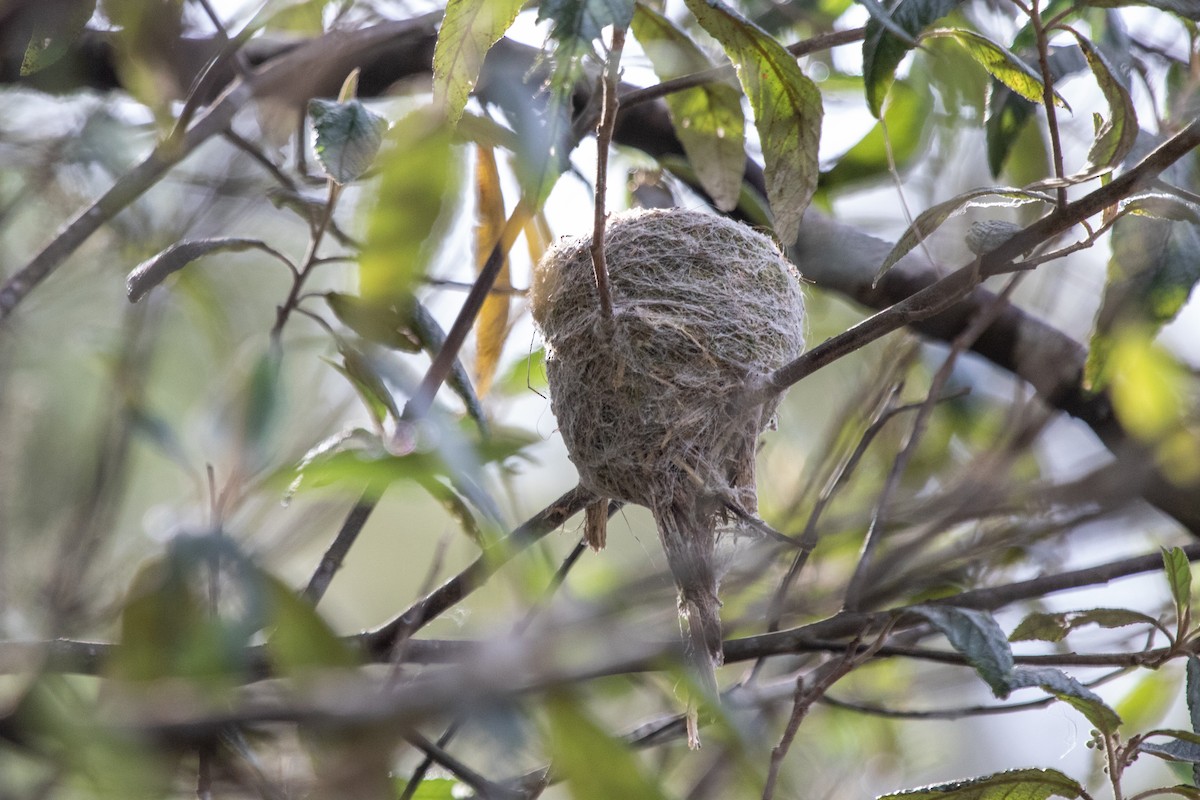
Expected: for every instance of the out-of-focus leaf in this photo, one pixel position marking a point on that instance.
(367, 381)
(787, 110)
(300, 640)
(537, 237)
(905, 119)
(383, 325)
(750, 202)
(419, 181)
(1018, 784)
(1070, 691)
(932, 218)
(707, 119)
(1119, 132)
(154, 270)
(168, 629)
(1146, 385)
(347, 137)
(1179, 577)
(432, 337)
(883, 52)
(299, 17)
(1000, 63)
(358, 440)
(578, 744)
(1055, 627)
(1149, 700)
(1188, 9)
(977, 636)
(434, 789)
(1151, 273)
(468, 31)
(527, 374)
(260, 408)
(54, 32)
(491, 326)
(575, 25)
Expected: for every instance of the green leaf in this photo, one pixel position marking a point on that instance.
(575, 25)
(434, 789)
(1118, 134)
(300, 640)
(526, 375)
(260, 407)
(1018, 784)
(419, 182)
(1055, 627)
(932, 218)
(1000, 63)
(367, 381)
(1008, 112)
(1146, 384)
(1149, 700)
(1151, 273)
(468, 31)
(383, 325)
(432, 337)
(751, 204)
(1179, 577)
(787, 110)
(348, 137)
(707, 119)
(976, 636)
(578, 746)
(154, 270)
(54, 32)
(1070, 691)
(905, 120)
(883, 52)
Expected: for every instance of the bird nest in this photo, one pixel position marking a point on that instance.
(654, 403)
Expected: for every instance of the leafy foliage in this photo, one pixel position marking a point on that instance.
(787, 110)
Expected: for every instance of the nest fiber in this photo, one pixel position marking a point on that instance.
(651, 403)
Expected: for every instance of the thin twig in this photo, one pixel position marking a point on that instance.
(1043, 48)
(604, 134)
(331, 562)
(876, 710)
(470, 777)
(984, 320)
(945, 292)
(382, 639)
(422, 400)
(804, 697)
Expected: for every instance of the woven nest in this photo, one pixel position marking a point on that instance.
(651, 404)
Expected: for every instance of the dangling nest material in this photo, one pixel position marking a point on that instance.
(651, 404)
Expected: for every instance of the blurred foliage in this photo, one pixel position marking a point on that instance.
(181, 479)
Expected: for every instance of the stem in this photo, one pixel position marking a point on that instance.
(1035, 18)
(310, 261)
(443, 363)
(604, 134)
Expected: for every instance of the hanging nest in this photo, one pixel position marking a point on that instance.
(652, 403)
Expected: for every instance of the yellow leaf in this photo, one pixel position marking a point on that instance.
(491, 327)
(537, 237)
